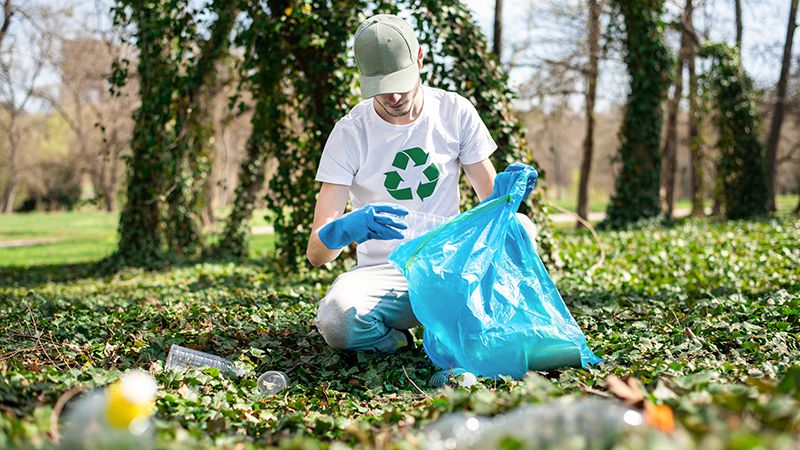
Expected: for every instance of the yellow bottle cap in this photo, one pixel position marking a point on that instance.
(131, 399)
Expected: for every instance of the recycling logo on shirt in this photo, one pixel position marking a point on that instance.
(394, 179)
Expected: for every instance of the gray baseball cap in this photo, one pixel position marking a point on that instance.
(386, 54)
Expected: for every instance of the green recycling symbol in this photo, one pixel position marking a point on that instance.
(401, 160)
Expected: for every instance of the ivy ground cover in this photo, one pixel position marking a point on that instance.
(704, 313)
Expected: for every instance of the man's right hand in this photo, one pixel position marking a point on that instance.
(375, 221)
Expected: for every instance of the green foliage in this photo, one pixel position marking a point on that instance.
(636, 193)
(741, 175)
(705, 314)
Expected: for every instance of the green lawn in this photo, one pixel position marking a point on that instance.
(706, 314)
(79, 237)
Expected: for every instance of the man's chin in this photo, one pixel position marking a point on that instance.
(397, 113)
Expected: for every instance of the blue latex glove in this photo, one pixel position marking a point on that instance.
(375, 221)
(508, 178)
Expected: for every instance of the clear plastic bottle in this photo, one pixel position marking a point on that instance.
(420, 223)
(582, 423)
(118, 417)
(182, 358)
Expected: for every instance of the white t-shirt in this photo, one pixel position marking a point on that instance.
(415, 165)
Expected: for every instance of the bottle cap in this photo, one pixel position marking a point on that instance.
(131, 399)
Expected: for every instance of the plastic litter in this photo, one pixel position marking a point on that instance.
(455, 377)
(117, 417)
(420, 223)
(485, 299)
(182, 358)
(272, 382)
(589, 423)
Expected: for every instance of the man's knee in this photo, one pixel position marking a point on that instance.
(335, 322)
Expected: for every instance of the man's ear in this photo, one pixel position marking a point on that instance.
(419, 58)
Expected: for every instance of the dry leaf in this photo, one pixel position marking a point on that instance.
(659, 417)
(187, 393)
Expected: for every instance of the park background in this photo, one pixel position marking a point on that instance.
(165, 199)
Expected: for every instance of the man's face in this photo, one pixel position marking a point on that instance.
(398, 104)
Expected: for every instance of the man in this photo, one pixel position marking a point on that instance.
(396, 152)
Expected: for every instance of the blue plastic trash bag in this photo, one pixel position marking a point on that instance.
(484, 297)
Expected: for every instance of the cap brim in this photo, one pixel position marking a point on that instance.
(397, 82)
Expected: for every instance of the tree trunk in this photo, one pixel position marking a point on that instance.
(108, 174)
(739, 29)
(210, 192)
(9, 193)
(695, 119)
(10, 190)
(251, 178)
(8, 11)
(591, 96)
(114, 173)
(497, 40)
(669, 154)
(636, 190)
(780, 105)
(141, 236)
(797, 208)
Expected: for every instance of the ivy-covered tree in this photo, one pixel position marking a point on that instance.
(636, 194)
(741, 173)
(157, 24)
(170, 144)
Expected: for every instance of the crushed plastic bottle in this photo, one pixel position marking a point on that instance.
(583, 423)
(182, 358)
(272, 382)
(118, 417)
(420, 223)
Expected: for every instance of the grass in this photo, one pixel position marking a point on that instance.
(77, 237)
(706, 314)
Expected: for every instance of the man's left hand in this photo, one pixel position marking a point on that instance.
(507, 178)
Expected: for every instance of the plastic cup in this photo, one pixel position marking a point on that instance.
(272, 381)
(456, 377)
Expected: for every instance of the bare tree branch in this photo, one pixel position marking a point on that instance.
(8, 11)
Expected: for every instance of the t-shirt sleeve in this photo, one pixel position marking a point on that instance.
(339, 162)
(476, 142)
